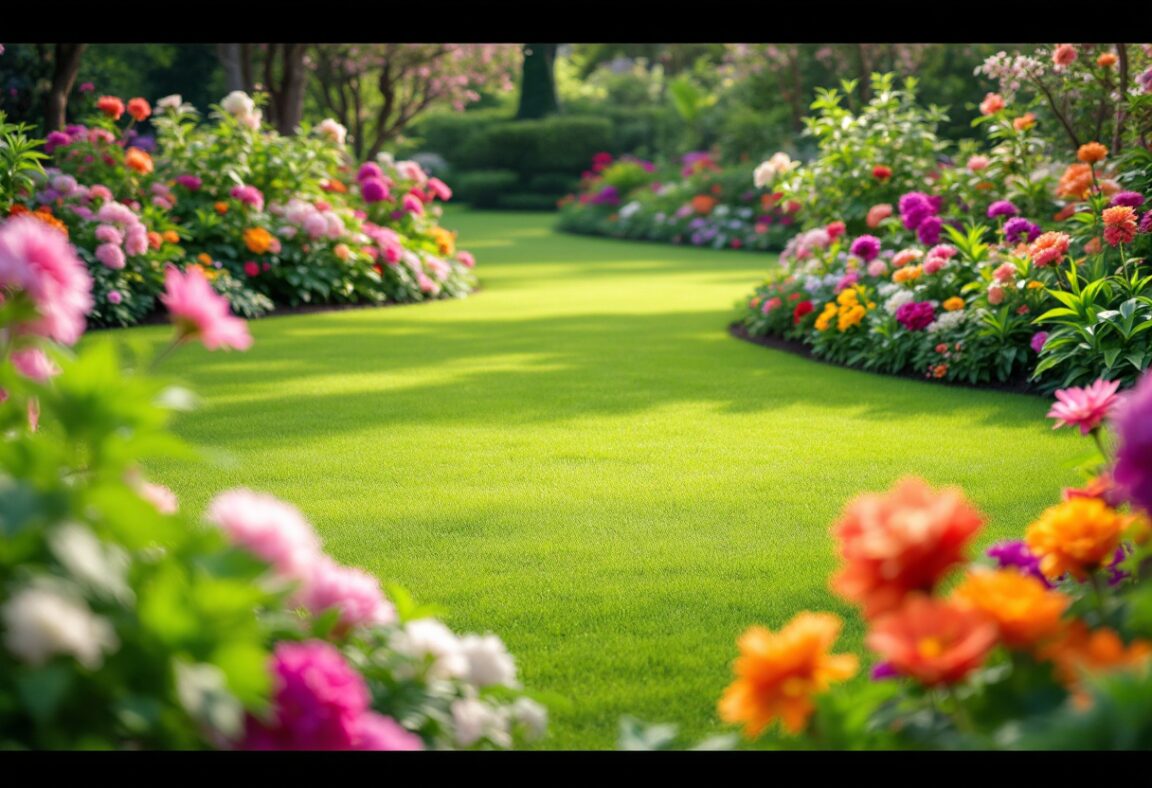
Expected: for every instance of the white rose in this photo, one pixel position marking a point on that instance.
(170, 102)
(90, 561)
(778, 164)
(238, 103)
(40, 622)
(428, 639)
(488, 661)
(474, 720)
(532, 716)
(332, 130)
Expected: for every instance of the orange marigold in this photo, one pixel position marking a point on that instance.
(1092, 152)
(1024, 609)
(221, 207)
(901, 541)
(155, 240)
(934, 641)
(138, 160)
(1075, 536)
(1078, 649)
(778, 673)
(1024, 122)
(1076, 182)
(44, 215)
(258, 240)
(953, 304)
(907, 274)
(703, 203)
(171, 236)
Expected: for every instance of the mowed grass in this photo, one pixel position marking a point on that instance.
(580, 459)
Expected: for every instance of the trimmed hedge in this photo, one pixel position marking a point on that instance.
(482, 188)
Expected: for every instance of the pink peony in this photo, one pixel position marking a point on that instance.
(249, 195)
(1064, 55)
(99, 192)
(877, 214)
(114, 297)
(33, 364)
(109, 234)
(116, 213)
(905, 256)
(934, 264)
(412, 204)
(1005, 273)
(369, 169)
(136, 240)
(438, 189)
(319, 702)
(1084, 407)
(977, 163)
(947, 251)
(466, 259)
(355, 592)
(38, 260)
(916, 315)
(380, 733)
(199, 311)
(269, 528)
(110, 255)
(373, 190)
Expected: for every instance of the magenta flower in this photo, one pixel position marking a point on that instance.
(38, 260)
(369, 169)
(915, 207)
(373, 190)
(249, 195)
(1002, 208)
(916, 315)
(380, 733)
(928, 231)
(353, 591)
(1018, 230)
(190, 182)
(269, 528)
(114, 297)
(1038, 340)
(56, 139)
(1084, 407)
(1015, 554)
(1132, 472)
(200, 312)
(866, 247)
(1130, 199)
(412, 204)
(439, 189)
(882, 671)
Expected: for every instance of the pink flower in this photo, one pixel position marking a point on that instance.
(412, 204)
(269, 528)
(159, 496)
(199, 311)
(1084, 407)
(877, 268)
(251, 268)
(439, 189)
(369, 169)
(427, 285)
(107, 233)
(33, 364)
(111, 256)
(38, 260)
(977, 163)
(114, 297)
(1005, 273)
(319, 702)
(355, 592)
(249, 195)
(99, 192)
(877, 214)
(380, 733)
(136, 240)
(947, 251)
(992, 103)
(995, 294)
(372, 189)
(466, 259)
(1064, 54)
(934, 264)
(115, 213)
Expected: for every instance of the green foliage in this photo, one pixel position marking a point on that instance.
(20, 159)
(483, 188)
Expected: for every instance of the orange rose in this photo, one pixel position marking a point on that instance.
(933, 641)
(1024, 122)
(171, 236)
(1078, 649)
(139, 109)
(1106, 60)
(155, 240)
(703, 204)
(1076, 182)
(1024, 609)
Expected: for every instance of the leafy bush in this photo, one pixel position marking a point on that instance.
(483, 188)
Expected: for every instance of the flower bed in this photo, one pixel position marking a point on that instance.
(696, 203)
(271, 220)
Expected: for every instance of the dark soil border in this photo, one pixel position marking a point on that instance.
(739, 331)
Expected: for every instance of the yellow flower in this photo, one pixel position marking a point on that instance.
(847, 297)
(850, 317)
(825, 318)
(1035, 285)
(1024, 610)
(1075, 536)
(907, 274)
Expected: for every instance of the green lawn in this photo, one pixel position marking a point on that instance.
(581, 459)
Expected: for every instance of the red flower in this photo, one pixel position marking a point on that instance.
(835, 230)
(139, 109)
(802, 309)
(110, 106)
(880, 172)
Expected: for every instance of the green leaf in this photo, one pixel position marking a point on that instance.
(202, 691)
(42, 690)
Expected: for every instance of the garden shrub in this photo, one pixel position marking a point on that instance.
(526, 201)
(483, 188)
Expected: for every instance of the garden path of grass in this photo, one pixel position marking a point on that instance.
(581, 459)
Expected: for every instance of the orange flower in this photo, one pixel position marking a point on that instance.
(171, 236)
(332, 185)
(205, 258)
(777, 673)
(258, 240)
(703, 203)
(221, 208)
(155, 240)
(1078, 649)
(1093, 245)
(991, 104)
(1092, 152)
(901, 541)
(953, 304)
(1106, 60)
(939, 371)
(907, 274)
(1076, 536)
(44, 215)
(341, 251)
(1076, 182)
(1024, 122)
(1119, 215)
(1068, 210)
(1024, 609)
(139, 109)
(934, 641)
(110, 106)
(136, 159)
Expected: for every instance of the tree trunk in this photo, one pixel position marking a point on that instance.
(865, 70)
(65, 66)
(229, 57)
(538, 86)
(289, 105)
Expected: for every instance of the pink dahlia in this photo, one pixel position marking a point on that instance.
(1048, 248)
(269, 528)
(111, 255)
(1084, 407)
(877, 214)
(38, 260)
(373, 190)
(356, 593)
(199, 311)
(369, 169)
(249, 195)
(916, 315)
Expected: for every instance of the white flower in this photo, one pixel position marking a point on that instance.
(385, 159)
(532, 716)
(238, 103)
(778, 164)
(898, 300)
(947, 321)
(332, 130)
(428, 639)
(488, 661)
(885, 289)
(170, 102)
(628, 210)
(91, 562)
(474, 720)
(40, 622)
(252, 119)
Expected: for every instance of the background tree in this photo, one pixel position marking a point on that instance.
(538, 82)
(275, 69)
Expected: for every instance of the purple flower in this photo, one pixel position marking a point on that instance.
(1145, 223)
(1019, 230)
(1002, 208)
(609, 195)
(1116, 574)
(1145, 80)
(56, 139)
(916, 315)
(1132, 420)
(1016, 555)
(846, 281)
(369, 170)
(929, 230)
(190, 182)
(76, 130)
(1131, 199)
(1038, 340)
(866, 247)
(914, 209)
(372, 189)
(883, 671)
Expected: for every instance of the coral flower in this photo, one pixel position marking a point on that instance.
(1106, 60)
(1076, 536)
(1024, 122)
(778, 673)
(906, 256)
(803, 308)
(881, 172)
(221, 208)
(1075, 182)
(877, 214)
(1064, 55)
(901, 541)
(1092, 152)
(1078, 650)
(1084, 407)
(139, 109)
(200, 312)
(933, 641)
(138, 160)
(1048, 249)
(258, 240)
(1024, 609)
(1119, 224)
(110, 106)
(703, 204)
(991, 104)
(171, 236)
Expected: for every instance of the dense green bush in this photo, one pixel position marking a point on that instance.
(526, 201)
(482, 188)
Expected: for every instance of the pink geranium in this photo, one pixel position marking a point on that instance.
(199, 311)
(269, 528)
(353, 591)
(38, 260)
(1084, 407)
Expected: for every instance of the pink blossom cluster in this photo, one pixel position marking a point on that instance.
(249, 195)
(121, 234)
(938, 257)
(1011, 71)
(317, 220)
(804, 245)
(387, 240)
(37, 261)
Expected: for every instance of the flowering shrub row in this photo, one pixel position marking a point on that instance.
(697, 202)
(1007, 266)
(270, 219)
(126, 622)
